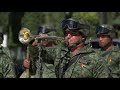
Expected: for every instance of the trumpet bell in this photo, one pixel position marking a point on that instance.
(24, 36)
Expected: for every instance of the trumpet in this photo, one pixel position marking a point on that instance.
(25, 37)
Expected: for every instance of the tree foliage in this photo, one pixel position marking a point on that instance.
(91, 17)
(32, 20)
(4, 21)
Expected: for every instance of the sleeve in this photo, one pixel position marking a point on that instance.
(7, 51)
(8, 68)
(58, 56)
(114, 64)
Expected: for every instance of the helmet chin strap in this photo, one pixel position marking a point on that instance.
(75, 44)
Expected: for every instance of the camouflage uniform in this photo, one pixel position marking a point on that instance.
(6, 65)
(48, 64)
(71, 66)
(108, 60)
(43, 67)
(83, 59)
(42, 57)
(7, 51)
(108, 65)
(105, 64)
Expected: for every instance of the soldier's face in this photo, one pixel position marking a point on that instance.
(72, 37)
(43, 35)
(104, 40)
(44, 42)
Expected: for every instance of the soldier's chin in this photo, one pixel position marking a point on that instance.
(101, 45)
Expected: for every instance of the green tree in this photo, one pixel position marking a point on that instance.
(32, 20)
(91, 17)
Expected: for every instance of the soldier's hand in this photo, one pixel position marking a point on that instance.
(35, 43)
(26, 63)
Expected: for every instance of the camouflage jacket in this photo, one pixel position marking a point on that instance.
(6, 51)
(42, 62)
(54, 59)
(108, 64)
(48, 58)
(7, 69)
(82, 59)
(103, 65)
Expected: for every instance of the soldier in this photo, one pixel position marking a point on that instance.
(109, 55)
(76, 55)
(41, 68)
(45, 30)
(7, 69)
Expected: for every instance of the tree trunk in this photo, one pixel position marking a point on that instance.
(15, 24)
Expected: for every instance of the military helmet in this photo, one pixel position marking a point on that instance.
(75, 24)
(46, 29)
(105, 29)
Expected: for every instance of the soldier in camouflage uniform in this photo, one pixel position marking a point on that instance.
(105, 63)
(7, 69)
(109, 55)
(42, 54)
(74, 55)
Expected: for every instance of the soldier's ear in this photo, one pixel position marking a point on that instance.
(83, 38)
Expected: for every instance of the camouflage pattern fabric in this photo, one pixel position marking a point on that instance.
(48, 65)
(75, 71)
(33, 55)
(7, 69)
(6, 51)
(63, 56)
(55, 58)
(108, 64)
(43, 66)
(103, 65)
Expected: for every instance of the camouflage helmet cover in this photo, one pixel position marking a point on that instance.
(76, 24)
(46, 29)
(105, 29)
(86, 29)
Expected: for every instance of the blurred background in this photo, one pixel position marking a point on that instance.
(12, 22)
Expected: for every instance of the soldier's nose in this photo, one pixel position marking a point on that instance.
(100, 38)
(69, 36)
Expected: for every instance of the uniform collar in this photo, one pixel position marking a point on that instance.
(114, 48)
(85, 50)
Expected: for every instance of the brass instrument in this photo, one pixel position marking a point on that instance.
(25, 37)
